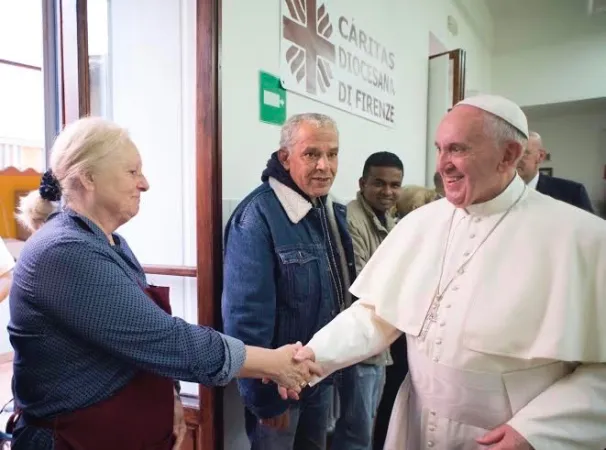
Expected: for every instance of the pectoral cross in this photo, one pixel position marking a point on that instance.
(432, 315)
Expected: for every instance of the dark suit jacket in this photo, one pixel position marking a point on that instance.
(565, 190)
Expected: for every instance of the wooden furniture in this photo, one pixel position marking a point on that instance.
(14, 184)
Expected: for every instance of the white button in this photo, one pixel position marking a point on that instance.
(435, 359)
(477, 219)
(466, 254)
(442, 324)
(472, 235)
(430, 444)
(432, 428)
(433, 413)
(455, 288)
(438, 341)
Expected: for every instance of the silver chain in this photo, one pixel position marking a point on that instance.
(433, 310)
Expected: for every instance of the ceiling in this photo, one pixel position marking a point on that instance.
(573, 9)
(590, 106)
(512, 9)
(528, 23)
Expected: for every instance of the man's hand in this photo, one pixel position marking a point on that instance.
(306, 357)
(179, 426)
(294, 369)
(504, 438)
(281, 422)
(305, 354)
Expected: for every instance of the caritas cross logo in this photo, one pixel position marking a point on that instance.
(312, 54)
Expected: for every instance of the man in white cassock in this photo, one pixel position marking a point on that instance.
(501, 292)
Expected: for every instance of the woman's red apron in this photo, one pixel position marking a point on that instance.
(137, 417)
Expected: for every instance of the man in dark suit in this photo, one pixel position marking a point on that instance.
(558, 188)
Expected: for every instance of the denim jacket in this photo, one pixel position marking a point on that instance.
(277, 288)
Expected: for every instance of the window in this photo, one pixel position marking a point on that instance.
(98, 58)
(22, 116)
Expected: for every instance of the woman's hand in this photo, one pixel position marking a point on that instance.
(291, 373)
(282, 366)
(304, 355)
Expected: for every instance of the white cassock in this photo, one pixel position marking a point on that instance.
(518, 335)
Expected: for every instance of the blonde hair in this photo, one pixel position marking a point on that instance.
(33, 211)
(80, 148)
(413, 197)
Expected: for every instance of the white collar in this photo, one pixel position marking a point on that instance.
(533, 183)
(294, 204)
(501, 202)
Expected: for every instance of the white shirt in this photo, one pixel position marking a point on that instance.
(508, 330)
(533, 183)
(7, 262)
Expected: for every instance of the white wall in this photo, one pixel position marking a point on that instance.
(152, 77)
(250, 42)
(548, 52)
(576, 141)
(553, 73)
(250, 45)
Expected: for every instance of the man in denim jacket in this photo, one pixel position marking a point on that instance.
(288, 266)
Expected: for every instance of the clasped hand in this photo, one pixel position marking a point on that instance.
(298, 367)
(295, 369)
(504, 438)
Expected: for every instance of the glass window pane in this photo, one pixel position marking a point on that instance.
(21, 31)
(98, 61)
(22, 112)
(21, 118)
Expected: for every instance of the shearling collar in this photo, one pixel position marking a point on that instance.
(295, 205)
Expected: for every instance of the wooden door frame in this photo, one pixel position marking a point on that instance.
(51, 73)
(74, 83)
(459, 59)
(205, 421)
(208, 202)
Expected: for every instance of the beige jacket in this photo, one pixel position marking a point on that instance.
(367, 232)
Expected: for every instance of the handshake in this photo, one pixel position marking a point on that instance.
(292, 368)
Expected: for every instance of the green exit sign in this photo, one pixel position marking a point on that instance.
(272, 99)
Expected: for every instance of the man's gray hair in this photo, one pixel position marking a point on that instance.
(534, 135)
(503, 131)
(288, 134)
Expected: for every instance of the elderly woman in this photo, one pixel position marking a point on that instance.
(96, 349)
(413, 197)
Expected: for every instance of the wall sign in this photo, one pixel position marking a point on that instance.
(272, 99)
(328, 56)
